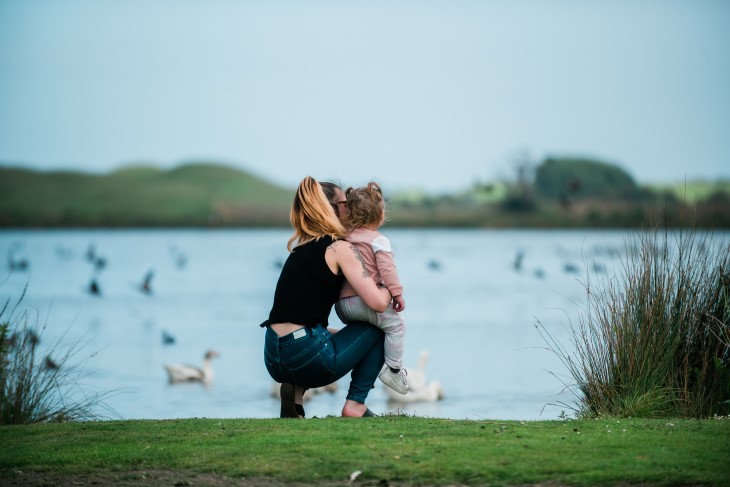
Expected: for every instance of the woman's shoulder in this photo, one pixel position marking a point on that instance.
(336, 244)
(343, 249)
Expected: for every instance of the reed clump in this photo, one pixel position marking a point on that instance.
(653, 340)
(40, 384)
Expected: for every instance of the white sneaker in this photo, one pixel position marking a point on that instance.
(397, 382)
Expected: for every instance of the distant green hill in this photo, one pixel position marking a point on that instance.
(213, 195)
(577, 178)
(189, 195)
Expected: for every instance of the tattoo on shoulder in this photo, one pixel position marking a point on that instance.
(358, 255)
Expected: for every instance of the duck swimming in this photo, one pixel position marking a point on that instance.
(420, 390)
(177, 373)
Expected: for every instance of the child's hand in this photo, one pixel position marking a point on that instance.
(399, 303)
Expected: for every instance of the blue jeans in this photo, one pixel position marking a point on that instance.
(314, 357)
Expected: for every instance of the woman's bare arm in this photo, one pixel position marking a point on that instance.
(345, 257)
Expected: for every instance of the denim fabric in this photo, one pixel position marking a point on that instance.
(390, 321)
(319, 357)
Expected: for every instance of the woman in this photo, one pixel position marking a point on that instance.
(300, 351)
(336, 197)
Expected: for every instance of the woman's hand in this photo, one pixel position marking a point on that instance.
(343, 256)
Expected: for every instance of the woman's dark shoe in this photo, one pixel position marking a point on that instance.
(352, 410)
(288, 407)
(369, 414)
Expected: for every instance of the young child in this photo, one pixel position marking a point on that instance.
(365, 214)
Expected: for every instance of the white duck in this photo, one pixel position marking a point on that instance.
(420, 389)
(187, 373)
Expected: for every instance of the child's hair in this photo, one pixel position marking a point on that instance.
(312, 216)
(365, 206)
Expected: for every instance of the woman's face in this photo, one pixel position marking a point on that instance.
(340, 204)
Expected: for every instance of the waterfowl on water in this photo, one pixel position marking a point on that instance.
(177, 373)
(432, 392)
(91, 253)
(146, 286)
(517, 263)
(167, 338)
(100, 263)
(94, 288)
(420, 390)
(179, 257)
(15, 264)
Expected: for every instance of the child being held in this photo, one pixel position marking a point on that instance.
(365, 214)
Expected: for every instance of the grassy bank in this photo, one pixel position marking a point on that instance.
(214, 195)
(654, 337)
(387, 450)
(189, 195)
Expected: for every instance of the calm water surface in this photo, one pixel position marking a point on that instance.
(468, 304)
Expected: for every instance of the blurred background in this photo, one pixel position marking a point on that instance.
(419, 94)
(517, 142)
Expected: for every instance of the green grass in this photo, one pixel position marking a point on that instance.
(40, 384)
(693, 191)
(654, 337)
(389, 449)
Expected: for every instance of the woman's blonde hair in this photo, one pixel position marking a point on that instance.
(312, 216)
(365, 206)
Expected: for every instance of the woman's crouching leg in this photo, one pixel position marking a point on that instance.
(359, 348)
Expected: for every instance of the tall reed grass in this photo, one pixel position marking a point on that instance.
(41, 384)
(653, 339)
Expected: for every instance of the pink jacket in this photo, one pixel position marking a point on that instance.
(377, 256)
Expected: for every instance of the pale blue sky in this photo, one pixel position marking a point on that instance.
(424, 94)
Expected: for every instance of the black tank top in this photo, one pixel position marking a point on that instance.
(307, 289)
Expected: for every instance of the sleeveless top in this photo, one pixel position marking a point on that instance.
(307, 289)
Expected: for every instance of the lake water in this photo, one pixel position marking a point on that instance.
(466, 304)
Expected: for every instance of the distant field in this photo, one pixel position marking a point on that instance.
(193, 194)
(212, 195)
(693, 191)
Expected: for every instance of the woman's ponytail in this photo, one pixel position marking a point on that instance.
(312, 215)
